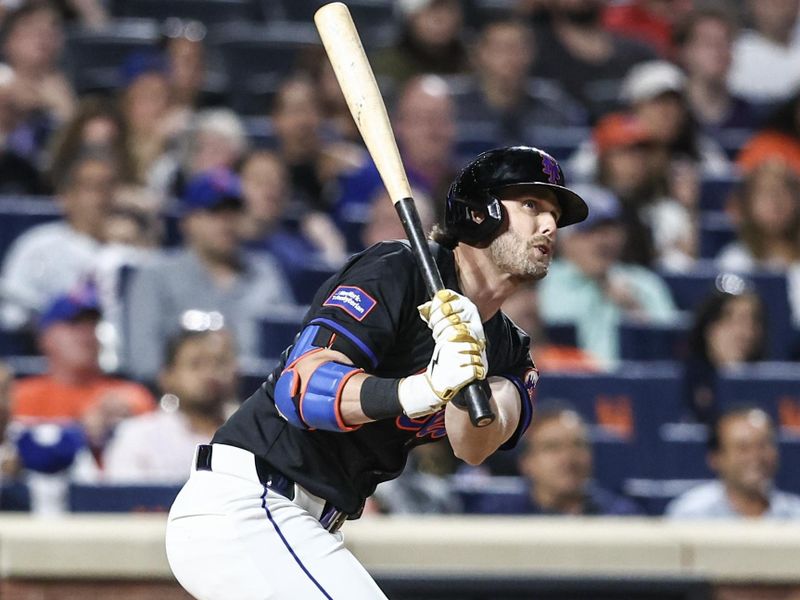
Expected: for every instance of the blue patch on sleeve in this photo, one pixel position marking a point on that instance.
(353, 300)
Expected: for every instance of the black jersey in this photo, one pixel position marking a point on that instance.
(371, 306)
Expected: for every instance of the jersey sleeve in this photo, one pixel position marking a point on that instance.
(369, 302)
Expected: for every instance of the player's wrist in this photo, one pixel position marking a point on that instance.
(380, 399)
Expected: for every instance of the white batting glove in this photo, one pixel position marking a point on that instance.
(449, 308)
(454, 364)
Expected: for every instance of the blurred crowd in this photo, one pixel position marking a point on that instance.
(175, 187)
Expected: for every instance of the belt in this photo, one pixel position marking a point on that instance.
(222, 458)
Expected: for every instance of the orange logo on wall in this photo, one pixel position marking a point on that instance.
(789, 414)
(615, 414)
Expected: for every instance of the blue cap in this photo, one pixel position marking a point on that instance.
(604, 207)
(50, 447)
(68, 307)
(211, 189)
(142, 62)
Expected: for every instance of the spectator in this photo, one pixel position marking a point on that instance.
(704, 41)
(209, 273)
(430, 42)
(556, 461)
(425, 125)
(648, 21)
(145, 106)
(74, 387)
(744, 454)
(18, 175)
(192, 85)
(766, 210)
(96, 123)
(523, 309)
(656, 93)
(766, 58)
(50, 259)
(198, 381)
(631, 164)
(591, 288)
(503, 94)
(264, 226)
(9, 461)
(589, 61)
(382, 221)
(729, 330)
(313, 163)
(214, 139)
(33, 39)
(779, 139)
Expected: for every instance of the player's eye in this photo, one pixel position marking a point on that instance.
(528, 204)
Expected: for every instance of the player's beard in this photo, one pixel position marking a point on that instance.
(514, 255)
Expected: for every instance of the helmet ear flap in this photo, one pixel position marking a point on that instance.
(471, 228)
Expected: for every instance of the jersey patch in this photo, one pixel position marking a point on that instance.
(353, 300)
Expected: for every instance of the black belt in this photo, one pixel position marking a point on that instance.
(331, 518)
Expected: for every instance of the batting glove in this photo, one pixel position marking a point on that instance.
(456, 361)
(449, 308)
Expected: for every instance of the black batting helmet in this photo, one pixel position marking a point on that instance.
(475, 188)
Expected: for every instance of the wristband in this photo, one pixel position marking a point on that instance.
(379, 398)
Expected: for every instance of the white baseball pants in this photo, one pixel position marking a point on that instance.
(231, 538)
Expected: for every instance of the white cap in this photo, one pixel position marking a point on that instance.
(647, 80)
(407, 8)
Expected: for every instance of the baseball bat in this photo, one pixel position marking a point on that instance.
(357, 81)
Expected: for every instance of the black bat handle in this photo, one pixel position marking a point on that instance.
(480, 412)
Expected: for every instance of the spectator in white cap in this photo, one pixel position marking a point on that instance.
(430, 41)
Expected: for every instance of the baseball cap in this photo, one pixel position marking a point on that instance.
(604, 207)
(212, 189)
(68, 307)
(650, 79)
(407, 8)
(142, 62)
(619, 130)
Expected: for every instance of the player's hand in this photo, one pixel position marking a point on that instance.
(449, 308)
(456, 361)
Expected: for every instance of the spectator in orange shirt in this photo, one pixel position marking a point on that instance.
(647, 21)
(780, 140)
(74, 387)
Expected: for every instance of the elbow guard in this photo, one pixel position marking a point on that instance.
(315, 403)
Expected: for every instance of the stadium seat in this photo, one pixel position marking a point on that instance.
(776, 388)
(690, 289)
(277, 331)
(716, 232)
(715, 191)
(653, 341)
(15, 496)
(121, 498)
(627, 411)
(93, 56)
(561, 334)
(257, 58)
(306, 281)
(209, 12)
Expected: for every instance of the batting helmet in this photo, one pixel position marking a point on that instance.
(475, 188)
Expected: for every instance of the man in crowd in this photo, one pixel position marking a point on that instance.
(743, 453)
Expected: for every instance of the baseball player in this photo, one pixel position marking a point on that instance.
(375, 370)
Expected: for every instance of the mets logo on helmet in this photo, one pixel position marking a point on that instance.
(550, 168)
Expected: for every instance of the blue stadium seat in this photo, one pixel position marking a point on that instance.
(94, 56)
(257, 58)
(653, 341)
(121, 498)
(19, 213)
(306, 281)
(690, 289)
(209, 12)
(277, 332)
(714, 192)
(716, 232)
(627, 411)
(561, 334)
(15, 496)
(776, 388)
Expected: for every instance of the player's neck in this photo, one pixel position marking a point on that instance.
(481, 281)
